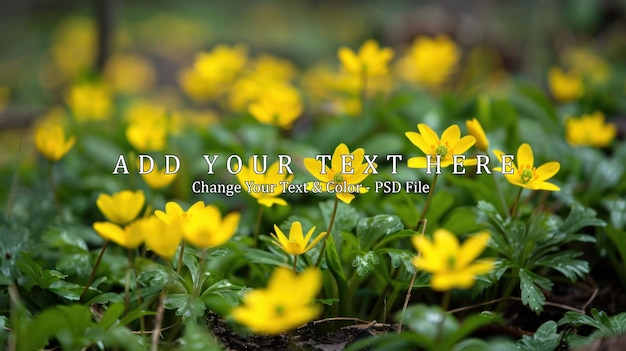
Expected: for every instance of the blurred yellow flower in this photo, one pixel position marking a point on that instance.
(160, 237)
(269, 182)
(593, 67)
(278, 105)
(213, 72)
(121, 207)
(565, 86)
(297, 243)
(449, 145)
(50, 141)
(149, 135)
(590, 130)
(74, 45)
(338, 93)
(370, 61)
(157, 179)
(452, 265)
(89, 102)
(476, 130)
(129, 74)
(430, 62)
(206, 228)
(286, 303)
(266, 72)
(525, 174)
(129, 237)
(343, 181)
(272, 68)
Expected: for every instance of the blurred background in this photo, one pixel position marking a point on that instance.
(141, 47)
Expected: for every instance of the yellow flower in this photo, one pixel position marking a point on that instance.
(160, 237)
(74, 45)
(590, 65)
(270, 182)
(565, 86)
(370, 61)
(174, 214)
(129, 74)
(430, 61)
(213, 72)
(286, 303)
(297, 243)
(89, 102)
(121, 207)
(278, 105)
(129, 237)
(206, 228)
(476, 130)
(525, 174)
(449, 145)
(157, 179)
(343, 181)
(150, 135)
(51, 143)
(452, 265)
(590, 130)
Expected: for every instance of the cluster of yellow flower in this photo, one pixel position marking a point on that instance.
(202, 226)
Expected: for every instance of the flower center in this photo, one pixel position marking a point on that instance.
(527, 175)
(280, 310)
(338, 178)
(451, 262)
(441, 150)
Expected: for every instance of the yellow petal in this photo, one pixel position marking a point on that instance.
(547, 170)
(525, 158)
(472, 248)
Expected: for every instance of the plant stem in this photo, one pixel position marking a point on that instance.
(516, 203)
(445, 301)
(328, 232)
(197, 286)
(500, 194)
(295, 260)
(408, 292)
(427, 204)
(50, 175)
(95, 268)
(257, 227)
(180, 257)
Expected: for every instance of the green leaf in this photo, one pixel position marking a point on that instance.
(345, 218)
(187, 306)
(580, 217)
(531, 294)
(566, 264)
(617, 212)
(431, 322)
(365, 264)
(42, 278)
(372, 229)
(111, 315)
(197, 338)
(231, 293)
(545, 338)
(401, 258)
(462, 220)
(256, 256)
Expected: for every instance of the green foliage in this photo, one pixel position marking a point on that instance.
(605, 326)
(527, 247)
(545, 338)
